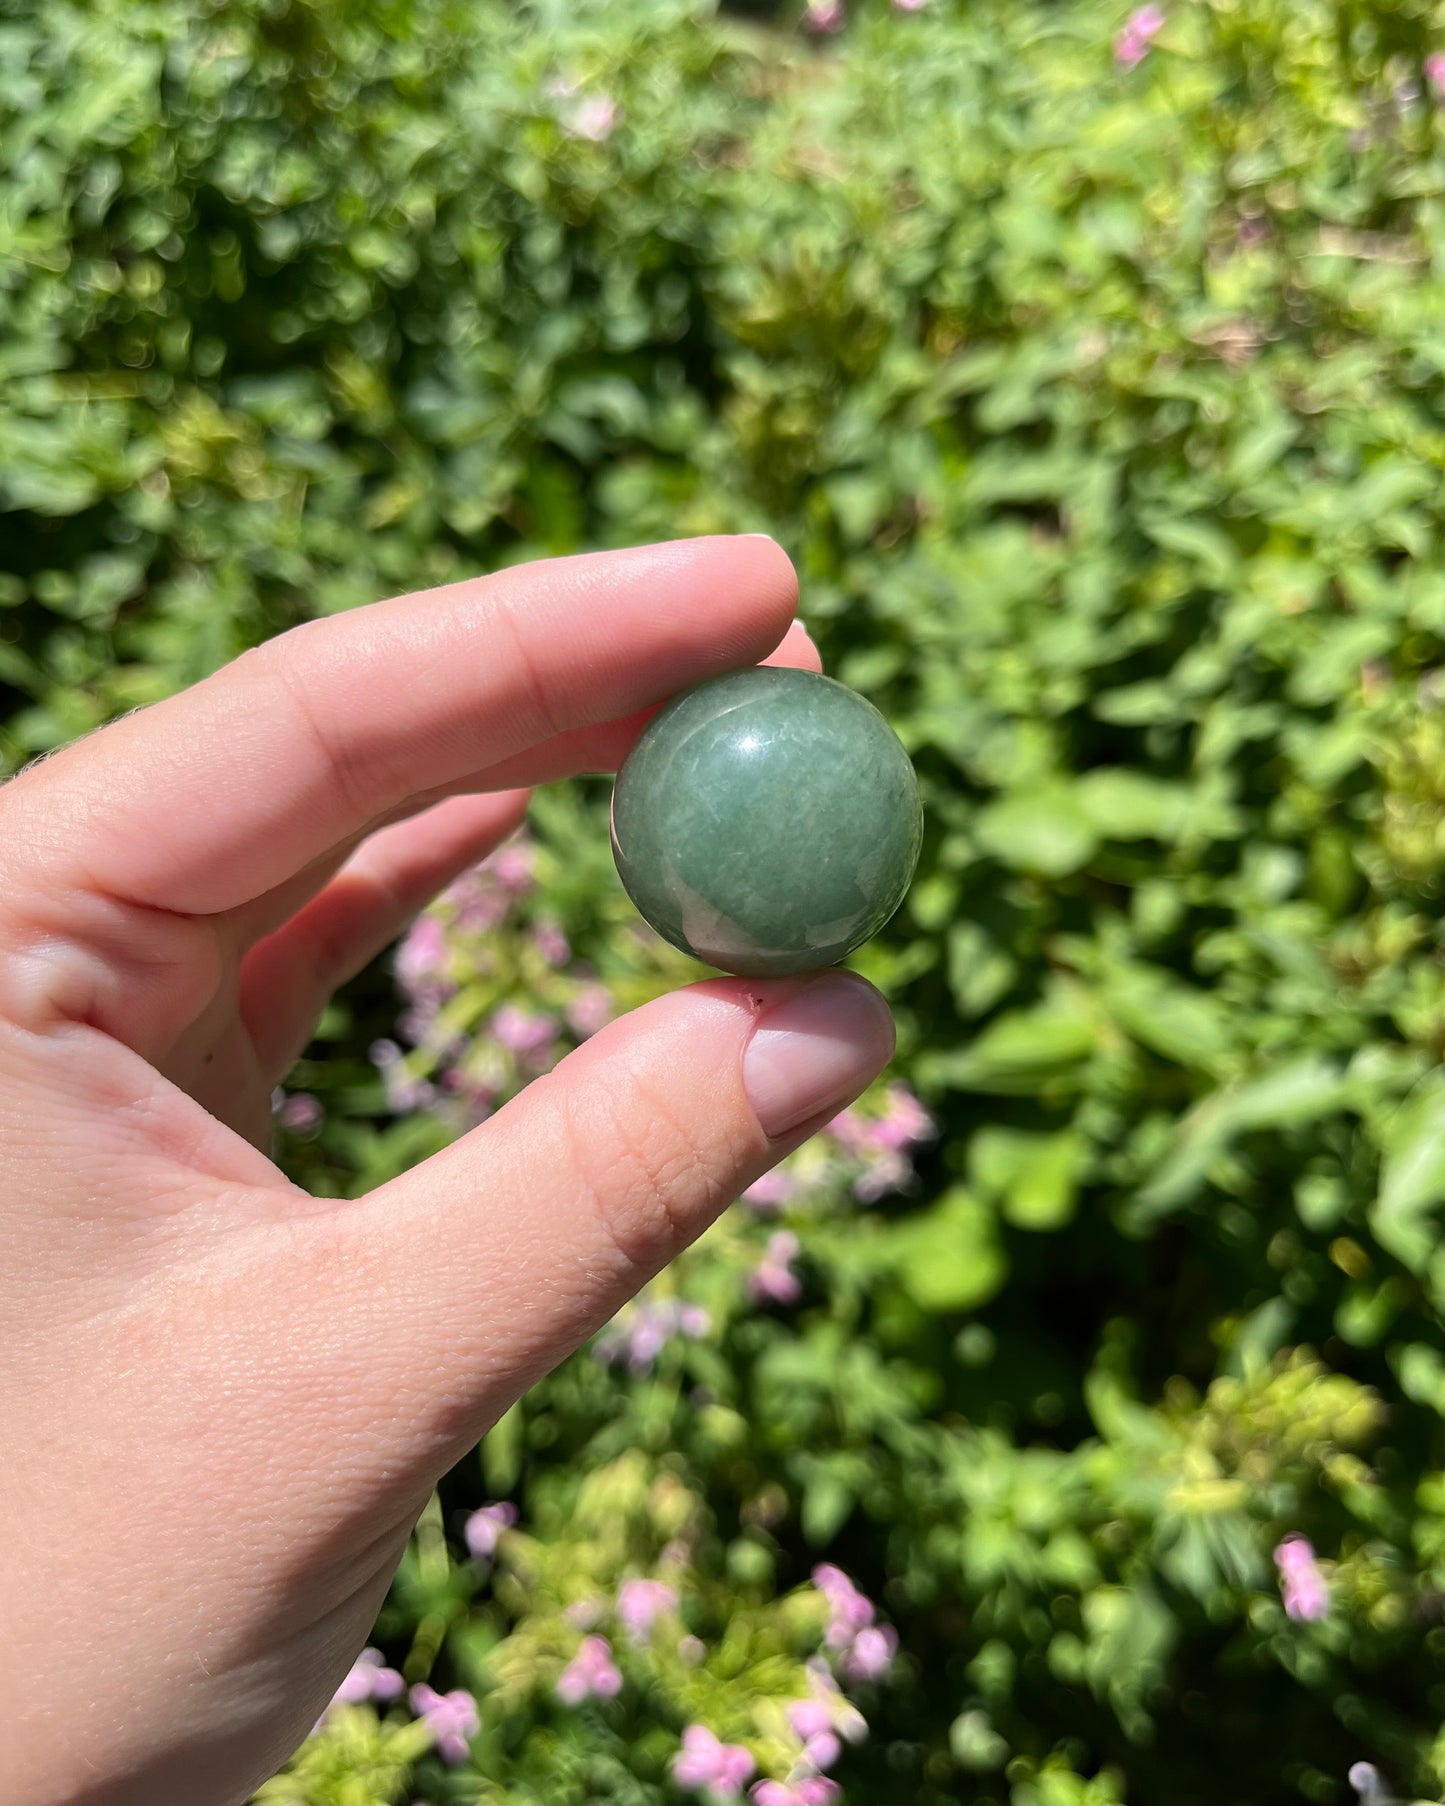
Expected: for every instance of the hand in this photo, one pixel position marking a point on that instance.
(225, 1402)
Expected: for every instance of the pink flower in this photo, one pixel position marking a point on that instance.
(404, 1094)
(909, 6)
(525, 1033)
(639, 1602)
(691, 1650)
(355, 1688)
(849, 1128)
(451, 1718)
(849, 1610)
(886, 1172)
(386, 1683)
(512, 867)
(810, 1717)
(904, 1121)
(735, 1768)
(864, 1650)
(823, 1750)
(477, 1093)
(421, 958)
(705, 1762)
(369, 1678)
(824, 1720)
(651, 1333)
(551, 943)
(484, 1528)
(1364, 1777)
(478, 900)
(300, 1112)
(812, 1720)
(1306, 1598)
(591, 1009)
(590, 1672)
(773, 1278)
(871, 1654)
(1435, 73)
(811, 1790)
(824, 16)
(816, 1790)
(772, 1190)
(1140, 29)
(640, 1334)
(595, 118)
(416, 1024)
(882, 1144)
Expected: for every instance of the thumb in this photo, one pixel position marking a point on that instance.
(504, 1252)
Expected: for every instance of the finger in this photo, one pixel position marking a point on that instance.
(344, 909)
(481, 1269)
(221, 793)
(797, 649)
(287, 978)
(602, 749)
(599, 749)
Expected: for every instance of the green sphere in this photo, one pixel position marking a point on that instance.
(767, 822)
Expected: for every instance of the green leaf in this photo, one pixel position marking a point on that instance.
(1045, 831)
(1412, 1177)
(1034, 1177)
(975, 1744)
(1301, 1091)
(948, 1258)
(1129, 1633)
(1130, 805)
(980, 969)
(1024, 1052)
(1185, 1025)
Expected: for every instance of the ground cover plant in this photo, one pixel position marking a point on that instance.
(1065, 1424)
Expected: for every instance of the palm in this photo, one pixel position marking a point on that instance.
(238, 994)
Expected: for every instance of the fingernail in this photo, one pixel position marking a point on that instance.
(816, 1051)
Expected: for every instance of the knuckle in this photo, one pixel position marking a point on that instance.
(508, 621)
(286, 661)
(648, 1184)
(337, 942)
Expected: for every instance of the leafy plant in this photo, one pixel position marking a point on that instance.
(1097, 396)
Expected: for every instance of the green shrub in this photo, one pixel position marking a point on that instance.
(1101, 410)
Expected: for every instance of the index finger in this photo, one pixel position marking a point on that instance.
(214, 797)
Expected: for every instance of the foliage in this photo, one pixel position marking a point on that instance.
(1098, 402)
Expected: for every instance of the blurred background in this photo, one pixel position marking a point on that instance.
(1065, 1424)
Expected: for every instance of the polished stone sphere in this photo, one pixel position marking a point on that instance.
(767, 822)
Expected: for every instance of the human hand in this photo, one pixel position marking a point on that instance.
(225, 1402)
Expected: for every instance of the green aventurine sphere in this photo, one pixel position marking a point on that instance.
(767, 822)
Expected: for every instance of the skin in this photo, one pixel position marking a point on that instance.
(225, 1401)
